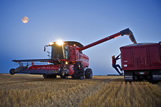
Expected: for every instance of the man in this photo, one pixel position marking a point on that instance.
(114, 65)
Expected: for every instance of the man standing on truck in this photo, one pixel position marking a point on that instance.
(114, 65)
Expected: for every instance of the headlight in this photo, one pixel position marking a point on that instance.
(60, 42)
(66, 62)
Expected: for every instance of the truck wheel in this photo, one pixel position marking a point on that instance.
(88, 73)
(135, 78)
(154, 81)
(12, 71)
(155, 76)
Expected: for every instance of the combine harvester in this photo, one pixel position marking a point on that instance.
(139, 61)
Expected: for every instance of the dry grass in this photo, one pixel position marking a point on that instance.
(109, 91)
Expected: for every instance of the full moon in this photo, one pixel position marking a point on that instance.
(25, 19)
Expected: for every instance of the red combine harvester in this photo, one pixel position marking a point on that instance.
(67, 59)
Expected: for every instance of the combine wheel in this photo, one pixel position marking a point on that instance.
(53, 76)
(49, 76)
(88, 73)
(78, 71)
(81, 77)
(12, 71)
(63, 74)
(45, 76)
(73, 77)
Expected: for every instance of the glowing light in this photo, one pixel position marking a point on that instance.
(60, 42)
(66, 62)
(51, 43)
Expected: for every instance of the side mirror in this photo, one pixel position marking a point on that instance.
(44, 48)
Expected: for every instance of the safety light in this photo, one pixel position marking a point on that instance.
(60, 42)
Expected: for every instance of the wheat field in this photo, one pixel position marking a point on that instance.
(101, 91)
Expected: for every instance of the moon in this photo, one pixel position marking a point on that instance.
(25, 19)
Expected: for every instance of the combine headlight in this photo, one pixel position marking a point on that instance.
(66, 62)
(60, 42)
(51, 43)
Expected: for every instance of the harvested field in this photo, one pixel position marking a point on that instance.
(101, 91)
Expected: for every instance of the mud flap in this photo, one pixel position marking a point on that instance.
(128, 76)
(156, 75)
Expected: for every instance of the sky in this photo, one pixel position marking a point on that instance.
(84, 21)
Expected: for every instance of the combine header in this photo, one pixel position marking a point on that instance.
(67, 59)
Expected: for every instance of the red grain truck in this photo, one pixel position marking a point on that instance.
(141, 61)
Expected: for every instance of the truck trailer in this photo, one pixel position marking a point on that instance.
(141, 61)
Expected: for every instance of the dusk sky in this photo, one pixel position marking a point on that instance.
(84, 21)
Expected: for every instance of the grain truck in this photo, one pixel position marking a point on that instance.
(141, 61)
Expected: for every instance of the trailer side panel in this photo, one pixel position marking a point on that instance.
(141, 57)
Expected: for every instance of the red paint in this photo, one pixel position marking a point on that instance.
(100, 41)
(71, 69)
(44, 67)
(141, 57)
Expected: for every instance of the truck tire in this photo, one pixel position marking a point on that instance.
(12, 71)
(155, 76)
(154, 81)
(88, 73)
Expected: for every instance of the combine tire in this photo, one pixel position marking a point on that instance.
(63, 74)
(78, 71)
(88, 73)
(48, 76)
(12, 71)
(81, 77)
